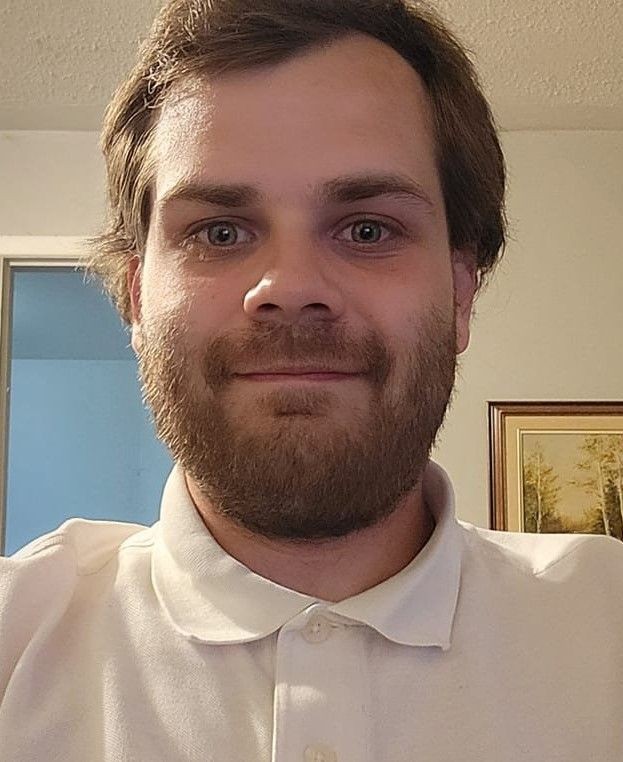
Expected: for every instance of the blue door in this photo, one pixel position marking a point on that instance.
(80, 441)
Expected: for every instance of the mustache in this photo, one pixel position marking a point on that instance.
(281, 344)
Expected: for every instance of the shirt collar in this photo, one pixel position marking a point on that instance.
(211, 597)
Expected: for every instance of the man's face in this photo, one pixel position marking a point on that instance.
(299, 277)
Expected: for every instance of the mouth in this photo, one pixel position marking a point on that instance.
(298, 378)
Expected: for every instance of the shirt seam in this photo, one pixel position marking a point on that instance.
(81, 571)
(52, 542)
(518, 562)
(556, 561)
(87, 572)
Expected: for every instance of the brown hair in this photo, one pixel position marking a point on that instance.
(211, 37)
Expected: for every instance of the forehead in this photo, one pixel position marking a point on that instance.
(354, 105)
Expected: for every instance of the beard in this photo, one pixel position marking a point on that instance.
(298, 463)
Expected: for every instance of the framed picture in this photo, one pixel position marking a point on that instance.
(557, 467)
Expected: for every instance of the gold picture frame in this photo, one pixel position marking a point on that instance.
(556, 467)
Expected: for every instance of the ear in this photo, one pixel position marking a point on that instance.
(464, 271)
(133, 280)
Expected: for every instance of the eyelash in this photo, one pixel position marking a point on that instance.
(192, 241)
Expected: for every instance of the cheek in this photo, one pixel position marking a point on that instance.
(170, 296)
(405, 303)
(208, 301)
(408, 314)
(161, 287)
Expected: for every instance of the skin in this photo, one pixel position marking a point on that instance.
(302, 279)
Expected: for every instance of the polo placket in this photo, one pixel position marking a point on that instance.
(321, 702)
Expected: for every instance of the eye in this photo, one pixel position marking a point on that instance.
(370, 232)
(219, 234)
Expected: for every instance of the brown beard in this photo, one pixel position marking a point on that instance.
(297, 471)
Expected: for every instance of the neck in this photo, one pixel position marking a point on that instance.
(330, 570)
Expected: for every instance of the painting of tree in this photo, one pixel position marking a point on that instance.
(573, 482)
(600, 469)
(540, 494)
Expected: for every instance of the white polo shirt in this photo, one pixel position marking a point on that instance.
(131, 644)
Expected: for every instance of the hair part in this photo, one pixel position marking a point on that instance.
(192, 38)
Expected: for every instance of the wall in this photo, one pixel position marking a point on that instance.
(52, 183)
(548, 326)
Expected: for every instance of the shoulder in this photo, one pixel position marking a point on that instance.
(86, 542)
(38, 582)
(59, 558)
(582, 559)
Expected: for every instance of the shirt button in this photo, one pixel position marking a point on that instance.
(317, 629)
(320, 753)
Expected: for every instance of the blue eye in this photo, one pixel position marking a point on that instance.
(220, 234)
(369, 231)
(372, 234)
(206, 239)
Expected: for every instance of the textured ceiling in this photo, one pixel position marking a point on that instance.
(545, 64)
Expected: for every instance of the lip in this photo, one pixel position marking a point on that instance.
(298, 377)
(298, 370)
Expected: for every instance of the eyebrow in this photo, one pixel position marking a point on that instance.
(343, 189)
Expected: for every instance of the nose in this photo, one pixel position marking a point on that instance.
(297, 285)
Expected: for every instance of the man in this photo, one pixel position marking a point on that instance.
(305, 198)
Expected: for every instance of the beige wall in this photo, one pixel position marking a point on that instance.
(51, 183)
(548, 327)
